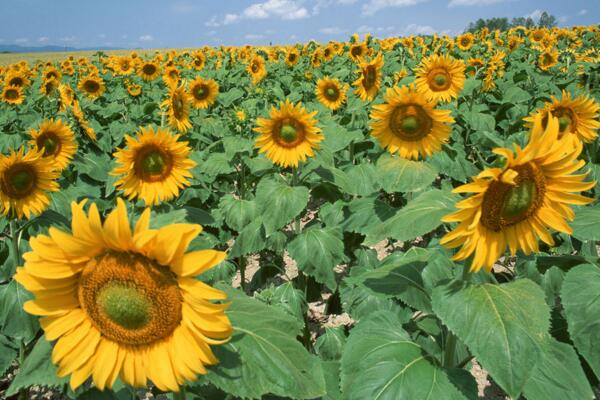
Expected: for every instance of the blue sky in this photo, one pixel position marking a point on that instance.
(193, 23)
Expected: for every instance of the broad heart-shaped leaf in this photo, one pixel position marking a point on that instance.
(7, 355)
(14, 321)
(330, 345)
(331, 370)
(420, 216)
(504, 326)
(381, 362)
(37, 369)
(317, 251)
(558, 375)
(238, 212)
(580, 296)
(585, 226)
(263, 355)
(399, 276)
(397, 174)
(251, 239)
(278, 202)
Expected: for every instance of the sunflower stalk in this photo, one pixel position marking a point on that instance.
(179, 395)
(14, 241)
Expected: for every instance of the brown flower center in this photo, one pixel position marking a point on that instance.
(332, 93)
(289, 133)
(16, 81)
(439, 79)
(410, 122)
(11, 94)
(152, 164)
(91, 86)
(149, 69)
(50, 142)
(369, 77)
(19, 181)
(129, 298)
(178, 105)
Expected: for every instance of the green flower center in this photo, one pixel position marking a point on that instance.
(410, 124)
(440, 79)
(288, 133)
(564, 122)
(200, 92)
(153, 163)
(21, 181)
(519, 199)
(125, 305)
(50, 144)
(331, 93)
(11, 94)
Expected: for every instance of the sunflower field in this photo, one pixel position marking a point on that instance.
(370, 219)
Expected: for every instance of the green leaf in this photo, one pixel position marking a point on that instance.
(515, 94)
(317, 251)
(7, 355)
(14, 321)
(503, 325)
(251, 239)
(420, 216)
(362, 180)
(381, 362)
(581, 301)
(279, 203)
(330, 345)
(37, 369)
(366, 213)
(227, 98)
(238, 212)
(263, 355)
(558, 375)
(397, 174)
(480, 121)
(585, 226)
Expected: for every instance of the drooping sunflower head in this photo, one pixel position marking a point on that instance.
(203, 92)
(67, 96)
(440, 78)
(516, 204)
(148, 70)
(56, 141)
(125, 303)
(92, 86)
(25, 180)
(13, 95)
(548, 59)
(171, 76)
(154, 166)
(578, 116)
(289, 136)
(369, 79)
(330, 93)
(178, 108)
(49, 86)
(409, 124)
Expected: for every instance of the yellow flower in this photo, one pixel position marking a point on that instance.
(465, 41)
(56, 141)
(240, 115)
(369, 79)
(178, 108)
(257, 69)
(123, 303)
(92, 86)
(548, 59)
(149, 70)
(13, 95)
(25, 180)
(203, 92)
(67, 96)
(330, 93)
(154, 166)
(440, 78)
(516, 204)
(289, 136)
(292, 56)
(408, 123)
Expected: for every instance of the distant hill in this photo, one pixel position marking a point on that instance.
(12, 48)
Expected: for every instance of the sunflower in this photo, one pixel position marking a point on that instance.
(369, 79)
(330, 93)
(16, 78)
(171, 76)
(537, 35)
(67, 96)
(92, 86)
(85, 126)
(124, 65)
(240, 115)
(292, 56)
(154, 166)
(465, 41)
(55, 140)
(178, 108)
(13, 95)
(548, 59)
(357, 51)
(198, 60)
(257, 69)
(25, 179)
(475, 64)
(289, 135)
(409, 124)
(49, 86)
(516, 204)
(440, 78)
(51, 72)
(203, 92)
(123, 303)
(134, 89)
(578, 116)
(148, 70)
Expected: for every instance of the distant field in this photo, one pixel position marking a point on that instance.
(10, 58)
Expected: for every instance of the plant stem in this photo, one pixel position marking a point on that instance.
(179, 395)
(14, 240)
(23, 391)
(449, 350)
(243, 272)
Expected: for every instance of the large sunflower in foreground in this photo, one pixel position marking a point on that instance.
(25, 180)
(154, 166)
(92, 86)
(330, 93)
(290, 134)
(578, 116)
(123, 303)
(56, 141)
(178, 108)
(369, 79)
(440, 78)
(515, 205)
(203, 92)
(409, 124)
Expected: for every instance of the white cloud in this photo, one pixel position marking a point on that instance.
(284, 9)
(374, 6)
(582, 12)
(21, 40)
(253, 36)
(534, 15)
(333, 30)
(415, 29)
(212, 22)
(68, 39)
(563, 19)
(43, 39)
(454, 3)
(146, 38)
